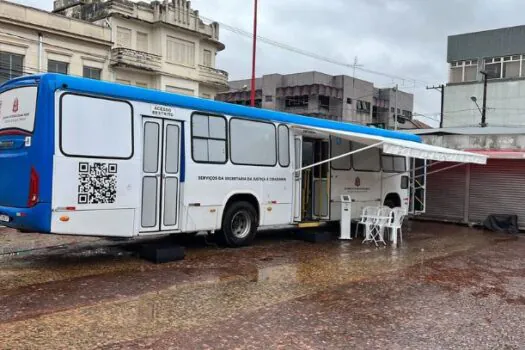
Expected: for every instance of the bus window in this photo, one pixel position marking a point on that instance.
(393, 164)
(308, 153)
(17, 110)
(367, 160)
(400, 164)
(253, 143)
(151, 147)
(387, 163)
(208, 138)
(95, 127)
(338, 147)
(284, 146)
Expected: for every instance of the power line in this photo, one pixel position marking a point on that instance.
(450, 112)
(262, 39)
(266, 41)
(415, 114)
(303, 52)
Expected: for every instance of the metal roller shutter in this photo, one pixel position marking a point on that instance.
(446, 193)
(497, 188)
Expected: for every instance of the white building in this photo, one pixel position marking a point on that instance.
(163, 46)
(499, 52)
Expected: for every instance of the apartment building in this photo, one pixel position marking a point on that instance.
(162, 45)
(501, 54)
(156, 45)
(340, 97)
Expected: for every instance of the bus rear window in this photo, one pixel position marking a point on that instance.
(95, 127)
(17, 110)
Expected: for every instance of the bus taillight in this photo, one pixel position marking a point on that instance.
(33, 188)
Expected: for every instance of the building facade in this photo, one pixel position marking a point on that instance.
(33, 41)
(469, 193)
(340, 97)
(501, 54)
(163, 46)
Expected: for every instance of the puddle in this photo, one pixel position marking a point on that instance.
(104, 292)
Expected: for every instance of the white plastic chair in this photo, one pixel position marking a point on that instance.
(368, 217)
(382, 221)
(396, 223)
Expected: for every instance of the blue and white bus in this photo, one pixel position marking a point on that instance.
(85, 157)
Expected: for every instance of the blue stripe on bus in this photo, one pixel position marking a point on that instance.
(114, 90)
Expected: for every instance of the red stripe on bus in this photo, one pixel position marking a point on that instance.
(14, 132)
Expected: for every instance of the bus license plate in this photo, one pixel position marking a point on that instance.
(4, 218)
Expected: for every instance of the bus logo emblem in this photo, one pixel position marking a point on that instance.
(357, 182)
(15, 105)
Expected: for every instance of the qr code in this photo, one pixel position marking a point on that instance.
(98, 183)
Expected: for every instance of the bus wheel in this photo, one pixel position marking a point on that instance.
(239, 225)
(392, 201)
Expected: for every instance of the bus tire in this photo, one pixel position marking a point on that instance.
(239, 225)
(392, 201)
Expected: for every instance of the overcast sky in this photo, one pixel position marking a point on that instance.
(405, 38)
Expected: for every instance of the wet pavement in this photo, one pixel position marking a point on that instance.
(445, 287)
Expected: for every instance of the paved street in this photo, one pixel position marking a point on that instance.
(446, 287)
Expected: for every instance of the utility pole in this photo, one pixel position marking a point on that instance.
(484, 109)
(395, 108)
(356, 65)
(440, 88)
(254, 52)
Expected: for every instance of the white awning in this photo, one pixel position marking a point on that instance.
(405, 148)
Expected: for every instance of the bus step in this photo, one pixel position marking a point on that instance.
(309, 224)
(159, 253)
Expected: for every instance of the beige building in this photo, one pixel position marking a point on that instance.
(33, 41)
(162, 45)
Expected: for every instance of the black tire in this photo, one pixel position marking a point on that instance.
(390, 203)
(239, 225)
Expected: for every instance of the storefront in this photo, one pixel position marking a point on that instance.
(469, 193)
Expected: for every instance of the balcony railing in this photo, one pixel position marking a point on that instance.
(213, 76)
(121, 56)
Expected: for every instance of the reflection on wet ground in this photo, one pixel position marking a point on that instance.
(444, 287)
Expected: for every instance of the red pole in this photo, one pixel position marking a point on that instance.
(252, 99)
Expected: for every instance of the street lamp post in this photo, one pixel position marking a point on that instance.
(474, 99)
(484, 110)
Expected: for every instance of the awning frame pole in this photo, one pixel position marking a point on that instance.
(443, 169)
(411, 170)
(340, 156)
(427, 166)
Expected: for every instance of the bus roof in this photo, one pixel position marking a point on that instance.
(114, 90)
